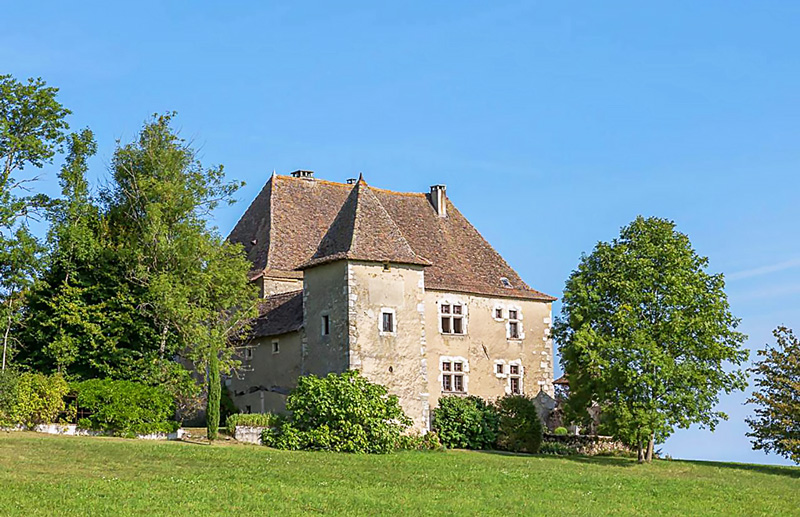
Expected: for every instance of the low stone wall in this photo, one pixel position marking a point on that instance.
(247, 434)
(74, 430)
(589, 445)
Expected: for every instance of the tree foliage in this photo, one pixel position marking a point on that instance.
(646, 333)
(776, 425)
(32, 129)
(136, 277)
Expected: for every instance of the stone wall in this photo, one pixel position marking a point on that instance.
(589, 445)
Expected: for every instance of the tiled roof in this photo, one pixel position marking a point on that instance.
(284, 227)
(279, 314)
(363, 230)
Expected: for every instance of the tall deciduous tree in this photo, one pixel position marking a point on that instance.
(196, 289)
(32, 128)
(646, 332)
(776, 426)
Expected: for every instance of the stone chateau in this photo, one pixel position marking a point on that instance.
(397, 285)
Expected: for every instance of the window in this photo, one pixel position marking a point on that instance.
(326, 325)
(515, 379)
(453, 376)
(276, 347)
(248, 354)
(514, 326)
(499, 368)
(452, 317)
(498, 313)
(387, 321)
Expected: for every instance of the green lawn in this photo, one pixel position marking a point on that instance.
(59, 475)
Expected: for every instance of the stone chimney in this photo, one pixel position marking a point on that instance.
(439, 199)
(303, 174)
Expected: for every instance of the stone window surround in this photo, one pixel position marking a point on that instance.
(519, 321)
(464, 372)
(451, 301)
(276, 346)
(387, 310)
(520, 376)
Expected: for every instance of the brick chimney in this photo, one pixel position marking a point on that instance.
(439, 199)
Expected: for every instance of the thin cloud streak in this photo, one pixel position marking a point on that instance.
(764, 270)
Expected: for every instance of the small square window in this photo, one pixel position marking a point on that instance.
(498, 313)
(512, 314)
(513, 369)
(326, 325)
(388, 322)
(499, 368)
(456, 309)
(458, 367)
(446, 366)
(276, 347)
(445, 309)
(248, 354)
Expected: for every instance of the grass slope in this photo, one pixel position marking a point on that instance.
(57, 475)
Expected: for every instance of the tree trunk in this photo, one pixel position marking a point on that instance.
(214, 396)
(650, 446)
(640, 451)
(5, 334)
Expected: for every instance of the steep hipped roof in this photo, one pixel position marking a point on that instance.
(363, 230)
(284, 227)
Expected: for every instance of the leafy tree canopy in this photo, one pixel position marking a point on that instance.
(646, 332)
(776, 426)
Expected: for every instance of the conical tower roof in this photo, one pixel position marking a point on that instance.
(363, 230)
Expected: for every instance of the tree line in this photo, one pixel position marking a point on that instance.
(131, 281)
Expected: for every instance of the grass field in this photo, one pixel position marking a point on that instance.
(59, 475)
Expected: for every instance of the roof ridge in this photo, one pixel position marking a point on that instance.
(348, 185)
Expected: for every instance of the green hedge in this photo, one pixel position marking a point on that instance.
(520, 429)
(249, 420)
(124, 408)
(466, 422)
(512, 423)
(29, 398)
(340, 412)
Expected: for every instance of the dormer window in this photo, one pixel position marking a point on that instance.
(505, 282)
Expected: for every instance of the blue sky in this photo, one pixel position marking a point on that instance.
(553, 124)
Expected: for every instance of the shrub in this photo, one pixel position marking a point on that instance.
(125, 408)
(29, 398)
(465, 422)
(249, 419)
(557, 449)
(420, 442)
(560, 431)
(340, 412)
(520, 429)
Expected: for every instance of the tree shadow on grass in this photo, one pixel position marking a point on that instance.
(775, 470)
(609, 461)
(612, 461)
